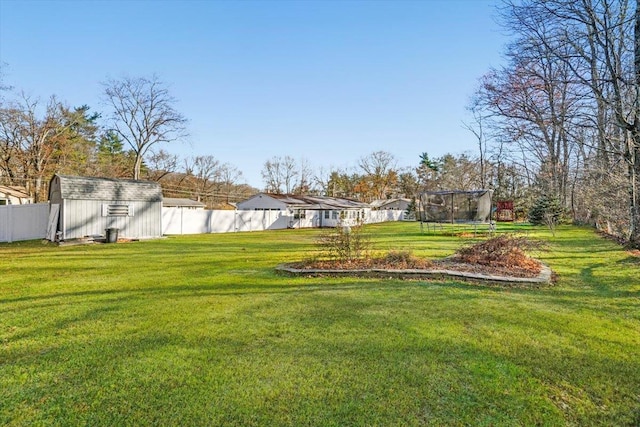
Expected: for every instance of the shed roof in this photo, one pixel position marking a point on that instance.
(91, 188)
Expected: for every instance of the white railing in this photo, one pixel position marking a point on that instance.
(23, 222)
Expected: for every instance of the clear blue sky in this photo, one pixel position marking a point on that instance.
(329, 81)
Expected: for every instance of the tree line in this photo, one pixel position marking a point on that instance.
(560, 121)
(378, 176)
(565, 109)
(40, 139)
(131, 140)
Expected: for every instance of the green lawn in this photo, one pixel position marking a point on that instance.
(199, 330)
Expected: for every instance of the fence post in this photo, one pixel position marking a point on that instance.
(10, 223)
(4, 223)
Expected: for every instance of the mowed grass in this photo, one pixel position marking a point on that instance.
(200, 330)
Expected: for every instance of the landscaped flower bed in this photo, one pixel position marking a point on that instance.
(501, 259)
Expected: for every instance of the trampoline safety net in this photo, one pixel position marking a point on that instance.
(456, 206)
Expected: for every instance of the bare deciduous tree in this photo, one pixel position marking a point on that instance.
(598, 42)
(144, 114)
(272, 176)
(32, 144)
(304, 177)
(203, 173)
(229, 179)
(279, 174)
(10, 143)
(160, 163)
(477, 128)
(380, 175)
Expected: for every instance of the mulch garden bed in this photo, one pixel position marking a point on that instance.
(499, 260)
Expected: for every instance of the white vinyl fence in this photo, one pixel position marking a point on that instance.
(23, 222)
(192, 221)
(199, 221)
(29, 222)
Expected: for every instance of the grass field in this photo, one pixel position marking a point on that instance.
(199, 330)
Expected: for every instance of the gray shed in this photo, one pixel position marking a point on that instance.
(87, 206)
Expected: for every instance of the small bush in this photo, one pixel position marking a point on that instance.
(344, 243)
(547, 210)
(405, 259)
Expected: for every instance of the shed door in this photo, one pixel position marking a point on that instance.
(52, 225)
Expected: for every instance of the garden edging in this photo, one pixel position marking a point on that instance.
(544, 278)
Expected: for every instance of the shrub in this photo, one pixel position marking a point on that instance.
(405, 259)
(344, 243)
(546, 210)
(412, 210)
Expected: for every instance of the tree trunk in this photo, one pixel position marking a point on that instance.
(137, 166)
(634, 144)
(633, 161)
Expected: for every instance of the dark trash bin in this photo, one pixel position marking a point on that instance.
(112, 235)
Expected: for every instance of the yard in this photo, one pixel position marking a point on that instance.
(200, 330)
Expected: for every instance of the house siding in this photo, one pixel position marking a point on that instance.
(347, 211)
(82, 218)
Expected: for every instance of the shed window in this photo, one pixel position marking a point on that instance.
(3, 202)
(117, 210)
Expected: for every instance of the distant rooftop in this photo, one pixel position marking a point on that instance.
(176, 202)
(15, 191)
(317, 202)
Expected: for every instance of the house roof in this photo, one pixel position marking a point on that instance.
(316, 202)
(474, 193)
(175, 202)
(382, 202)
(15, 191)
(91, 188)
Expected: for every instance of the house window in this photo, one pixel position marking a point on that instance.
(4, 202)
(327, 214)
(334, 214)
(117, 210)
(299, 214)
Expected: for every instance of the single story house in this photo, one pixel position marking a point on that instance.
(308, 211)
(396, 204)
(14, 195)
(88, 206)
(174, 202)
